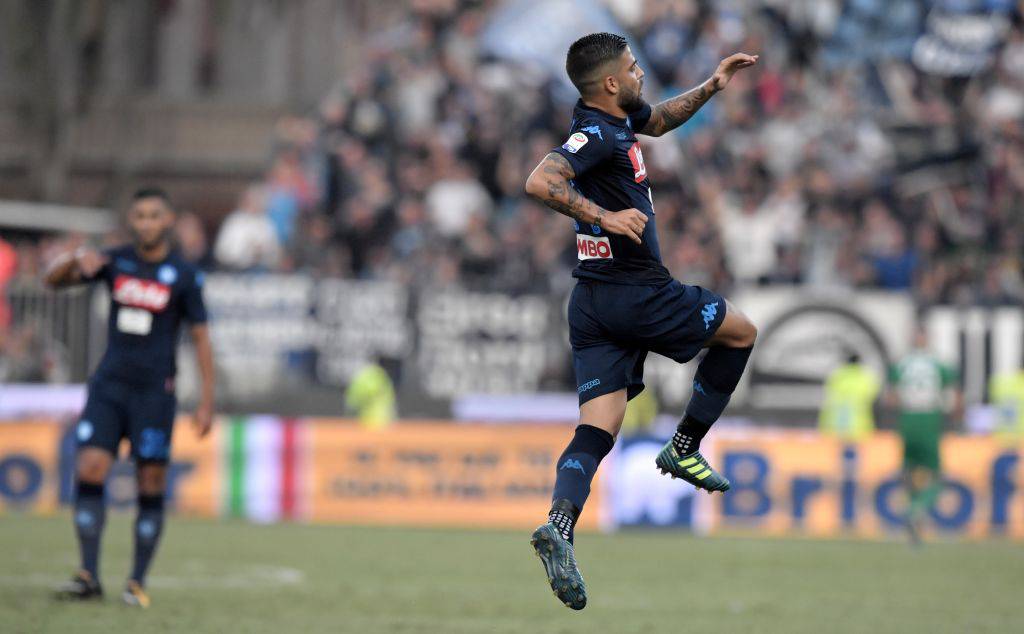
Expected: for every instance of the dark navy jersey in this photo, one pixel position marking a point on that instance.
(609, 166)
(148, 301)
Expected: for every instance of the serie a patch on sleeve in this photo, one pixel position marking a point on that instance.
(575, 142)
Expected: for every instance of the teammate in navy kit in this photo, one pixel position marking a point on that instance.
(625, 303)
(131, 394)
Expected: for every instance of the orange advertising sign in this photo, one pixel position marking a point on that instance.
(793, 481)
(196, 469)
(437, 474)
(29, 455)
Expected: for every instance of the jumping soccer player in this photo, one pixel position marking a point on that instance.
(924, 389)
(131, 394)
(625, 302)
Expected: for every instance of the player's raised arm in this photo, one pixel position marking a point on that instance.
(672, 113)
(82, 265)
(549, 183)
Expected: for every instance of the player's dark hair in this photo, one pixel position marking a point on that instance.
(588, 54)
(152, 192)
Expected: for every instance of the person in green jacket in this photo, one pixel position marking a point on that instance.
(923, 389)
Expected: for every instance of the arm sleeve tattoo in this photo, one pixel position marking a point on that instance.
(672, 113)
(560, 195)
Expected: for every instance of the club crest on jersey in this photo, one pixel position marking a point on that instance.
(575, 142)
(148, 294)
(590, 247)
(167, 274)
(636, 157)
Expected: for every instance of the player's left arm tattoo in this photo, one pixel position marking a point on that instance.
(672, 113)
(549, 183)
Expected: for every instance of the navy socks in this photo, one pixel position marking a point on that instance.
(716, 379)
(148, 526)
(90, 516)
(574, 472)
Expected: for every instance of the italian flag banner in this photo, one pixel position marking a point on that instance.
(263, 471)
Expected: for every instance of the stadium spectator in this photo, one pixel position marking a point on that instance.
(247, 240)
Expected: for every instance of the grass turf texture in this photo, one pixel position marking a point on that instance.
(220, 577)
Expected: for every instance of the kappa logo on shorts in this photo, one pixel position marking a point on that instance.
(572, 464)
(153, 444)
(591, 248)
(709, 312)
(84, 430)
(586, 386)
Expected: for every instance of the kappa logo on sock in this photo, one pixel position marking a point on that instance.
(572, 464)
(697, 387)
(709, 312)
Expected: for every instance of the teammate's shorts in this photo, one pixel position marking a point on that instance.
(612, 327)
(922, 435)
(142, 414)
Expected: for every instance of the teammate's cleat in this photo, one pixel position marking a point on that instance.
(692, 468)
(81, 587)
(135, 596)
(559, 559)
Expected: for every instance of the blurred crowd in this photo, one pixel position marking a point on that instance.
(837, 162)
(845, 159)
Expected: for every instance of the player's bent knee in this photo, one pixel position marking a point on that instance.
(92, 465)
(749, 334)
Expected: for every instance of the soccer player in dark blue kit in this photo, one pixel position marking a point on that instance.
(625, 303)
(131, 393)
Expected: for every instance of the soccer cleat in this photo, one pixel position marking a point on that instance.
(692, 468)
(559, 559)
(135, 596)
(81, 587)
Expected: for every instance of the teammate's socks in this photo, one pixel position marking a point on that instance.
(90, 516)
(575, 471)
(148, 526)
(717, 376)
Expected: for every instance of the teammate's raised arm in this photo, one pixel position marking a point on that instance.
(672, 113)
(549, 183)
(73, 268)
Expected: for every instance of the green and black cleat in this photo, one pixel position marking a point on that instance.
(81, 587)
(559, 559)
(692, 468)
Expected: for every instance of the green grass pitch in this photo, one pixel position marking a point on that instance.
(234, 577)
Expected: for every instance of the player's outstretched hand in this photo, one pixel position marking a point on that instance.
(203, 420)
(90, 262)
(728, 67)
(628, 222)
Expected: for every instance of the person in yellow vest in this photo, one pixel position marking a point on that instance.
(850, 393)
(640, 412)
(1006, 393)
(371, 396)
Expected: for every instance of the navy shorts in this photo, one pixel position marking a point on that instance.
(612, 327)
(142, 414)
